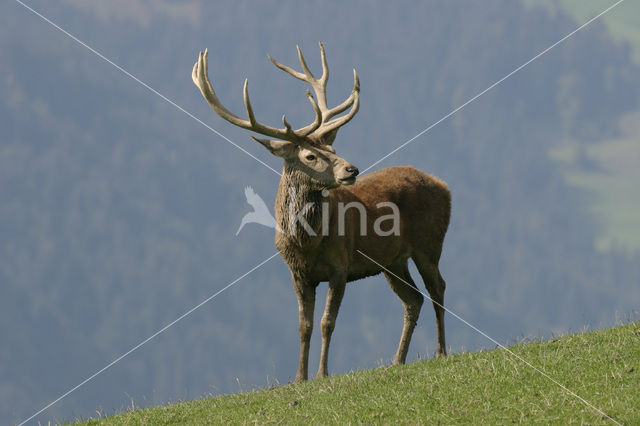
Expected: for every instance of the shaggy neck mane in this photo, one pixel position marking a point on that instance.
(298, 202)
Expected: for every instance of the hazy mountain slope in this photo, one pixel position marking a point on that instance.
(621, 23)
(607, 170)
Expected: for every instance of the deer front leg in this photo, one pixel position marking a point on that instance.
(306, 301)
(334, 298)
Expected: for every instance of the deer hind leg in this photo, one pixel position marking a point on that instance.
(306, 302)
(402, 284)
(435, 286)
(334, 298)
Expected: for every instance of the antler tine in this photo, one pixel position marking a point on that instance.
(288, 70)
(305, 68)
(347, 102)
(247, 102)
(318, 120)
(322, 129)
(200, 78)
(327, 132)
(327, 129)
(318, 85)
(300, 132)
(325, 67)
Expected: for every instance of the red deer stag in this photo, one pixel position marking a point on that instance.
(322, 237)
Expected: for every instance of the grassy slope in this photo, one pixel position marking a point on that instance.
(484, 387)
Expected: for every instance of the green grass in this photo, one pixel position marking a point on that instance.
(490, 387)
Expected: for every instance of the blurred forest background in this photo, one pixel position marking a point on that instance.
(118, 212)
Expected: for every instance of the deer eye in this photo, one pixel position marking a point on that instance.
(310, 157)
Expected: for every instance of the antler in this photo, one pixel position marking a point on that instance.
(200, 77)
(327, 131)
(323, 129)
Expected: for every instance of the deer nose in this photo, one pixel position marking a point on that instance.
(353, 170)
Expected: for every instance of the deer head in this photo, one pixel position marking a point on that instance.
(306, 151)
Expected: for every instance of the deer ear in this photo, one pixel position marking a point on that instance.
(280, 148)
